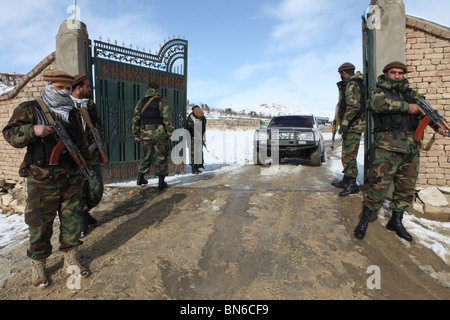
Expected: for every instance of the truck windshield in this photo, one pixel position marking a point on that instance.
(294, 121)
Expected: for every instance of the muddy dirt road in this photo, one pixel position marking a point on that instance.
(248, 233)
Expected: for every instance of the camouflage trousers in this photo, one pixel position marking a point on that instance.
(47, 198)
(155, 151)
(389, 167)
(350, 148)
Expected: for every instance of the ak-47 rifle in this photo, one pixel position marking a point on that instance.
(97, 139)
(66, 142)
(431, 116)
(335, 125)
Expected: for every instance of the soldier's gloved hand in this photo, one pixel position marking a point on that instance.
(343, 129)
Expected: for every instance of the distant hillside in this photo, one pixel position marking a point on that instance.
(260, 111)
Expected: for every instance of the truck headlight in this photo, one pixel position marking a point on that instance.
(307, 136)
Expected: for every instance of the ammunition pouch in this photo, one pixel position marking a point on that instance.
(396, 122)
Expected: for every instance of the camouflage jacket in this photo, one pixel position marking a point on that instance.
(19, 134)
(380, 103)
(153, 131)
(352, 113)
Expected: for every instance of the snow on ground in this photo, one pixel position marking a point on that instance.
(4, 88)
(13, 230)
(231, 148)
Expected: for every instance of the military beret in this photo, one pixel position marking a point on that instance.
(197, 111)
(346, 66)
(395, 64)
(58, 76)
(79, 78)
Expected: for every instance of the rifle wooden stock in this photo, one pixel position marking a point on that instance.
(335, 123)
(103, 156)
(444, 125)
(431, 116)
(79, 160)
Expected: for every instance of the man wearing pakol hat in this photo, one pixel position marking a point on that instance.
(351, 122)
(396, 117)
(152, 124)
(91, 196)
(196, 125)
(52, 190)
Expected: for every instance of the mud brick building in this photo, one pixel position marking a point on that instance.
(428, 61)
(31, 85)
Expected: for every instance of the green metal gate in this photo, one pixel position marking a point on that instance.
(121, 77)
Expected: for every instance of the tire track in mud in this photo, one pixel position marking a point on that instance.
(268, 242)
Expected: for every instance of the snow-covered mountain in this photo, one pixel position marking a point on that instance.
(275, 109)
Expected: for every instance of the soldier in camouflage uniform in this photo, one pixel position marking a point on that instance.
(396, 116)
(351, 112)
(91, 197)
(55, 189)
(152, 124)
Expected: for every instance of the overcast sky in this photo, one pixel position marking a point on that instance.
(241, 52)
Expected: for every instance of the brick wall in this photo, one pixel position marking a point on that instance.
(428, 60)
(30, 86)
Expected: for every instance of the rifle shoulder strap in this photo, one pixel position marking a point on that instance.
(147, 104)
(85, 115)
(429, 144)
(45, 109)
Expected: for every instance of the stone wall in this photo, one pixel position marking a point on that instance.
(30, 87)
(428, 60)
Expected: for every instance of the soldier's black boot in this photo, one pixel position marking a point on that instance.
(161, 183)
(395, 224)
(361, 228)
(84, 225)
(141, 180)
(194, 169)
(340, 184)
(351, 187)
(91, 220)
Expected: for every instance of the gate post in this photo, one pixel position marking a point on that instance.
(71, 46)
(390, 37)
(384, 41)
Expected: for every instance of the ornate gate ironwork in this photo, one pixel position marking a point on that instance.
(121, 77)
